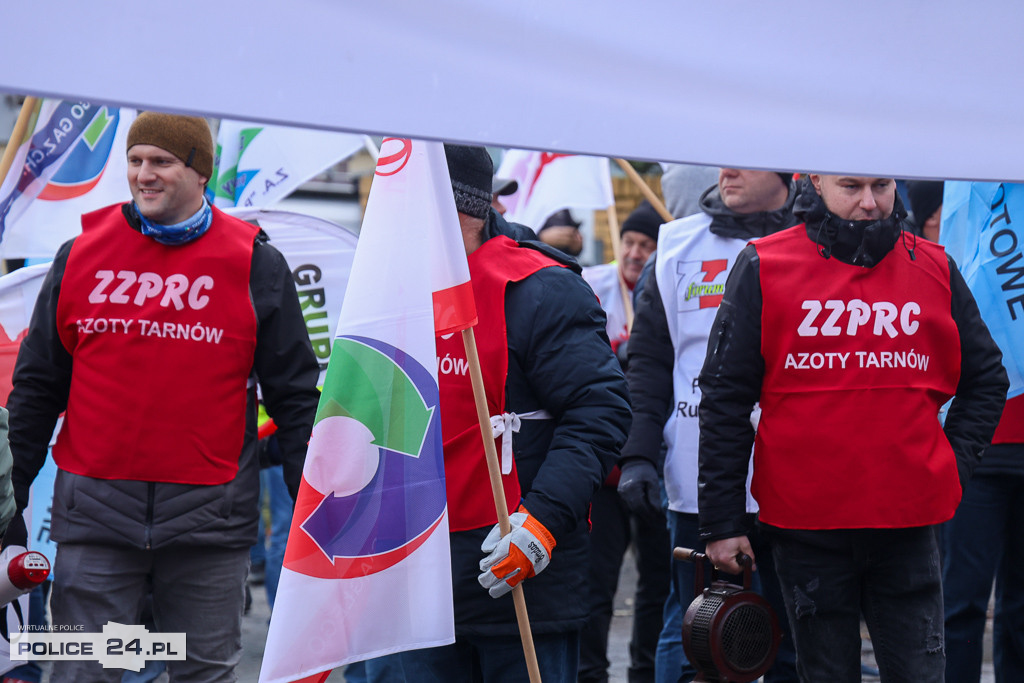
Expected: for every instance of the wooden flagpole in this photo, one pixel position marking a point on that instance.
(500, 504)
(647, 192)
(20, 126)
(627, 301)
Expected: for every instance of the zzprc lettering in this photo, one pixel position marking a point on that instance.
(847, 317)
(176, 290)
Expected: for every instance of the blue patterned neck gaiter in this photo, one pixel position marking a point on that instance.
(180, 233)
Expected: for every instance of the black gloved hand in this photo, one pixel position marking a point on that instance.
(16, 533)
(622, 354)
(640, 489)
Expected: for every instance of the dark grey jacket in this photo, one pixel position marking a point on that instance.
(144, 514)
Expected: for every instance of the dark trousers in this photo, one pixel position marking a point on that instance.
(613, 530)
(198, 591)
(891, 577)
(672, 662)
(480, 659)
(985, 540)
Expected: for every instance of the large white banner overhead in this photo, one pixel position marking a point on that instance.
(908, 89)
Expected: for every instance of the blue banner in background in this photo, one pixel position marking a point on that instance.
(983, 230)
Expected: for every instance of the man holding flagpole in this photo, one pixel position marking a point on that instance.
(150, 333)
(559, 407)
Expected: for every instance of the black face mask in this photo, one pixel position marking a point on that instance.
(860, 243)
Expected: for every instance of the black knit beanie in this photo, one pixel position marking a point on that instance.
(644, 219)
(186, 137)
(560, 218)
(471, 171)
(925, 198)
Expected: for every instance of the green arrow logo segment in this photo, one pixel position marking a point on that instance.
(95, 130)
(248, 135)
(364, 384)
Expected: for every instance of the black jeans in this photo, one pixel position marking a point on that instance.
(984, 541)
(891, 577)
(614, 528)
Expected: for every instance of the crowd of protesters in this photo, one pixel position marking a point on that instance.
(728, 385)
(691, 458)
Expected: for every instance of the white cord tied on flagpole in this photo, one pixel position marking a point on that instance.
(505, 425)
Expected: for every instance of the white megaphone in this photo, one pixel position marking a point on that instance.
(20, 571)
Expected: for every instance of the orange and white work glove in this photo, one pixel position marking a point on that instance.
(524, 552)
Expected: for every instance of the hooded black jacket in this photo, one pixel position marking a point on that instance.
(730, 380)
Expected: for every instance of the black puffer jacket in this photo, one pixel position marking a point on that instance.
(730, 380)
(144, 514)
(651, 355)
(559, 360)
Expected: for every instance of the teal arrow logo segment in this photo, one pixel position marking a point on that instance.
(368, 386)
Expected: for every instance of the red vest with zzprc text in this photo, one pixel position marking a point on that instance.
(858, 362)
(162, 341)
(470, 501)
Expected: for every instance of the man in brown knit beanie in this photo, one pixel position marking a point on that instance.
(151, 330)
(170, 159)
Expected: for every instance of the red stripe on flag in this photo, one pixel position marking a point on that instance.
(56, 192)
(454, 309)
(315, 678)
(266, 429)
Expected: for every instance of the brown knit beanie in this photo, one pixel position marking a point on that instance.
(186, 137)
